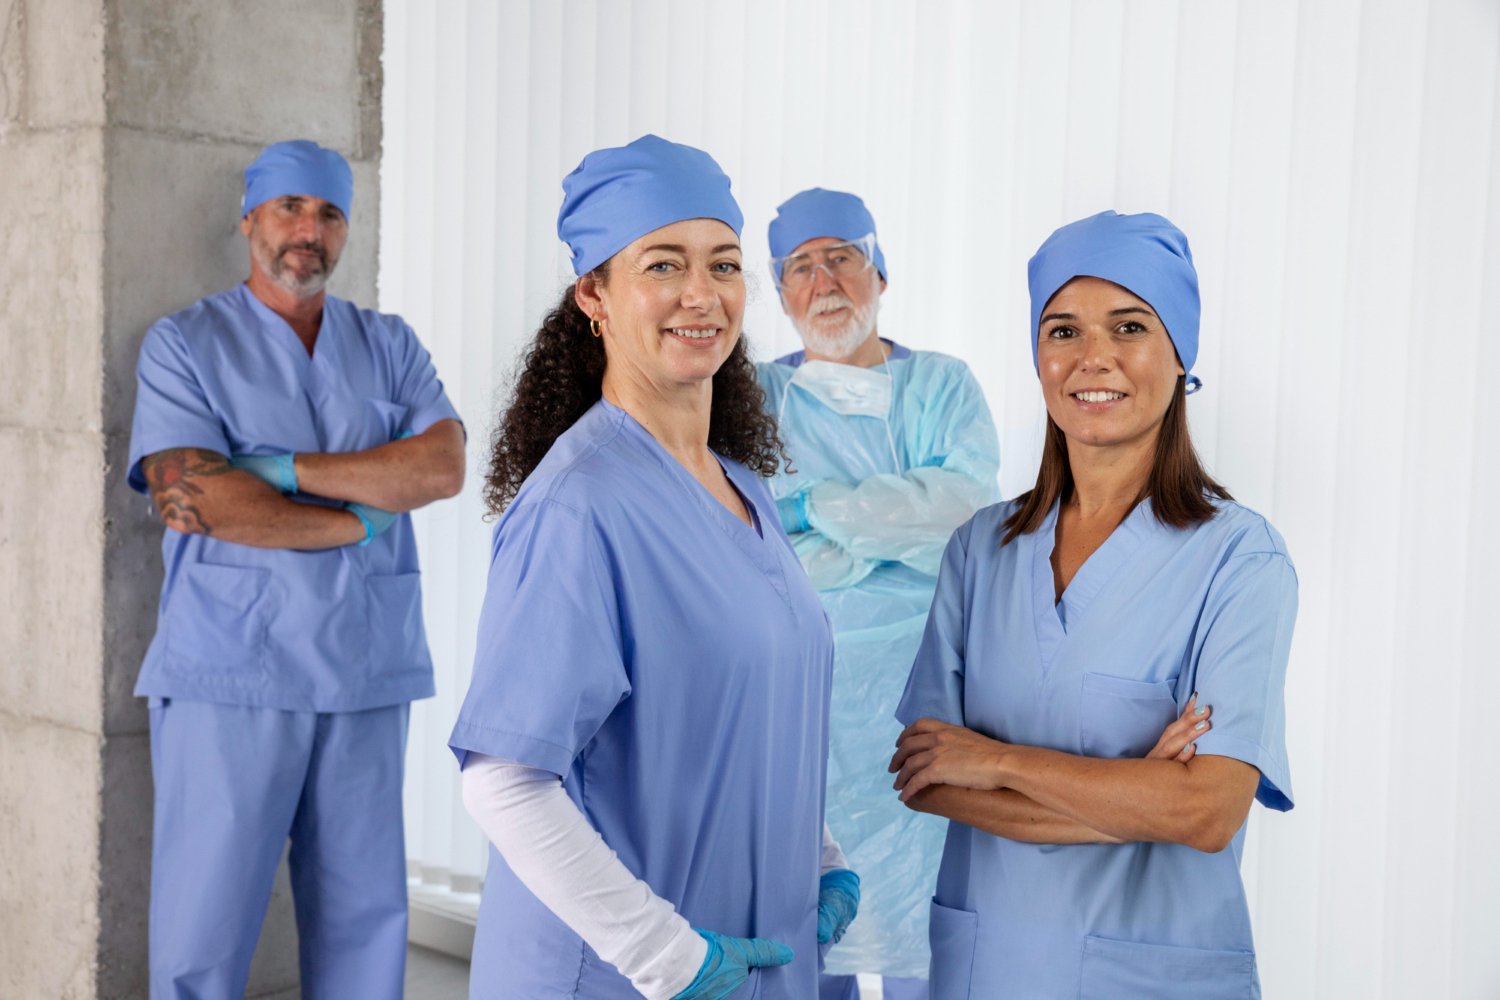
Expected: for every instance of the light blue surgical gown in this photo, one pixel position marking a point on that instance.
(1155, 614)
(671, 663)
(279, 679)
(882, 508)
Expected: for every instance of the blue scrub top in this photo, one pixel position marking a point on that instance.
(672, 664)
(1155, 614)
(329, 631)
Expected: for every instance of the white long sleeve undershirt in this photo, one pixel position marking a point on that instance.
(555, 852)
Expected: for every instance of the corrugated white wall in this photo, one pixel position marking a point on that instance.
(1334, 163)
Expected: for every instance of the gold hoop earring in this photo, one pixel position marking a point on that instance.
(594, 327)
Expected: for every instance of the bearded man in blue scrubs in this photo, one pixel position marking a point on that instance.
(891, 449)
(283, 434)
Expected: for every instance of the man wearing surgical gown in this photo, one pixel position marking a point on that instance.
(283, 434)
(891, 449)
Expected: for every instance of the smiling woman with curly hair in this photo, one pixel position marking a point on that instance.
(645, 736)
(561, 377)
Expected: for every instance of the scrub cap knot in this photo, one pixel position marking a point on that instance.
(615, 196)
(298, 167)
(1143, 253)
(818, 212)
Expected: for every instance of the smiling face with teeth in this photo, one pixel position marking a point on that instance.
(670, 309)
(1107, 366)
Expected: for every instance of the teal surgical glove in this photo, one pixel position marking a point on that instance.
(793, 511)
(374, 519)
(838, 902)
(728, 963)
(278, 470)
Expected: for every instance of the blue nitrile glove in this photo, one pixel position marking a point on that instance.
(728, 963)
(374, 519)
(838, 902)
(278, 470)
(793, 511)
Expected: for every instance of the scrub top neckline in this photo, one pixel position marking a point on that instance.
(697, 490)
(325, 351)
(752, 541)
(1054, 617)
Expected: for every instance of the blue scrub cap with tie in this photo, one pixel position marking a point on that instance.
(615, 196)
(298, 167)
(1144, 254)
(818, 212)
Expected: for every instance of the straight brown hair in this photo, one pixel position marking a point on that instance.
(1179, 486)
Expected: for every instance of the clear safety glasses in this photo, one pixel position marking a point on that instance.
(841, 261)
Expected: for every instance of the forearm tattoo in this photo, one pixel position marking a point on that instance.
(172, 476)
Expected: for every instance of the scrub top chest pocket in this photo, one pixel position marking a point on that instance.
(1120, 717)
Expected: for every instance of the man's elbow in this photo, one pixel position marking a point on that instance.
(447, 481)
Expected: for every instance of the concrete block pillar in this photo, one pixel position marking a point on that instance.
(124, 125)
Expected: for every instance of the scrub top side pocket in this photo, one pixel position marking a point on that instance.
(1119, 717)
(1114, 969)
(217, 619)
(953, 934)
(396, 616)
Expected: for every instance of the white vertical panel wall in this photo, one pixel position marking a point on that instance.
(1336, 164)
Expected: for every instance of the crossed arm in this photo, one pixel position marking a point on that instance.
(1047, 797)
(196, 491)
(397, 476)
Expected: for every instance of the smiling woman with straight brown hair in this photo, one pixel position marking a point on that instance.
(1088, 853)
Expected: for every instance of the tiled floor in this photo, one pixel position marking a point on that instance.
(431, 975)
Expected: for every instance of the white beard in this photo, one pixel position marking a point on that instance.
(841, 341)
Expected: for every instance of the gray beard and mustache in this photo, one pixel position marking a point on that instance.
(844, 339)
(279, 269)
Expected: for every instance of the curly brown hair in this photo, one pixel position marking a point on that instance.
(560, 378)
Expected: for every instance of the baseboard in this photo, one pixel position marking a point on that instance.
(441, 919)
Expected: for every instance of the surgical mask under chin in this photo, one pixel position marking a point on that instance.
(848, 390)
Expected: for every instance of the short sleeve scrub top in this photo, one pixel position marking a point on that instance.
(672, 665)
(1154, 615)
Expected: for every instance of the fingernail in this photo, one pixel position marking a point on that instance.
(1201, 710)
(1200, 725)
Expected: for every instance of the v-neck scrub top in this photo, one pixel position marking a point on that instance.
(335, 630)
(672, 665)
(1155, 614)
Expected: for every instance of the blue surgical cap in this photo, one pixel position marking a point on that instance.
(615, 196)
(1143, 253)
(815, 213)
(298, 167)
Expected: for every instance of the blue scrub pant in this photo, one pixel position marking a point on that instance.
(232, 784)
(847, 988)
